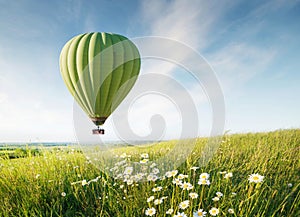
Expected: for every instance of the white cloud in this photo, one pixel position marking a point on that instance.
(237, 63)
(189, 22)
(3, 97)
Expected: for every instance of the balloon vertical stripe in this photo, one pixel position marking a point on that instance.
(94, 67)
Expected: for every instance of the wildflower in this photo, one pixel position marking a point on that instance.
(128, 170)
(144, 161)
(138, 176)
(152, 177)
(155, 171)
(150, 199)
(204, 176)
(129, 182)
(180, 214)
(185, 204)
(231, 211)
(194, 168)
(215, 199)
(157, 189)
(123, 155)
(84, 182)
(153, 165)
(256, 178)
(120, 163)
(182, 176)
(94, 180)
(144, 168)
(169, 211)
(177, 181)
(150, 211)
(174, 172)
(158, 201)
(223, 172)
(214, 211)
(119, 176)
(199, 213)
(203, 182)
(193, 195)
(290, 185)
(219, 194)
(168, 174)
(233, 193)
(186, 186)
(63, 194)
(115, 168)
(144, 155)
(228, 175)
(37, 176)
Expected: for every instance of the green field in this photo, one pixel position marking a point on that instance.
(63, 182)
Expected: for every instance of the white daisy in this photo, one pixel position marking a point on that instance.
(256, 178)
(157, 189)
(153, 165)
(150, 199)
(150, 211)
(144, 155)
(128, 170)
(194, 168)
(199, 213)
(84, 182)
(214, 211)
(193, 195)
(182, 176)
(228, 175)
(169, 211)
(231, 211)
(204, 176)
(186, 186)
(203, 182)
(219, 194)
(168, 174)
(152, 177)
(158, 201)
(180, 214)
(216, 199)
(155, 171)
(177, 181)
(185, 204)
(144, 161)
(174, 172)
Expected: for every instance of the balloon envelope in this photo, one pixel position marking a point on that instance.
(94, 67)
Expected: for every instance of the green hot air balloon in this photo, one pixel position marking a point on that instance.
(99, 69)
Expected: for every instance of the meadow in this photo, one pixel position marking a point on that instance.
(250, 175)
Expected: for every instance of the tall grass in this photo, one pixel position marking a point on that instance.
(65, 183)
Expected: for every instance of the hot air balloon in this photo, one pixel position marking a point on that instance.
(95, 67)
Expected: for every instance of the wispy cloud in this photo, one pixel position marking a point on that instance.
(237, 63)
(189, 22)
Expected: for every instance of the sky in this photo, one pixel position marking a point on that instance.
(252, 47)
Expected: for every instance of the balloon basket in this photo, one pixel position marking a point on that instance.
(98, 131)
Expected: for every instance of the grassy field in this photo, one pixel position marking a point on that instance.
(63, 182)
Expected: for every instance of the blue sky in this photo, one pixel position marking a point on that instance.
(253, 47)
